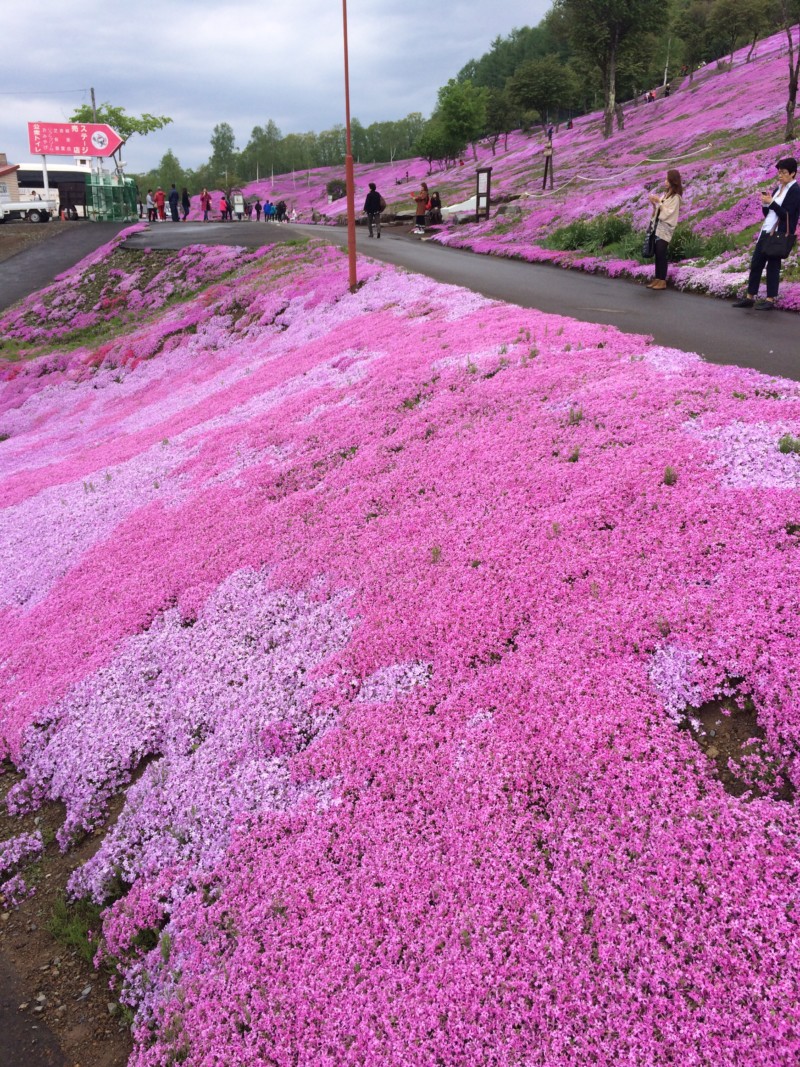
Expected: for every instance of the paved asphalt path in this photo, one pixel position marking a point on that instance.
(766, 341)
(35, 267)
(25, 1040)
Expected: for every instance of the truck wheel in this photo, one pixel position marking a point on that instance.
(35, 215)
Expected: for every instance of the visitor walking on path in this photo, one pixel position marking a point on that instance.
(373, 206)
(666, 209)
(776, 238)
(422, 200)
(205, 204)
(151, 206)
(186, 203)
(174, 200)
(160, 200)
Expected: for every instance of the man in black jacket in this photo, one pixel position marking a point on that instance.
(373, 206)
(781, 210)
(174, 199)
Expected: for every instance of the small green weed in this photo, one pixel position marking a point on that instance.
(670, 476)
(789, 444)
(74, 924)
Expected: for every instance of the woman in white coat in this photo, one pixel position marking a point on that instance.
(667, 206)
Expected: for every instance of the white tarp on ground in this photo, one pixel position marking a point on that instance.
(467, 208)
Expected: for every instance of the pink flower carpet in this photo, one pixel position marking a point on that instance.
(405, 603)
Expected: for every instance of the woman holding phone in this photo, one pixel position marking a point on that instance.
(666, 209)
(781, 209)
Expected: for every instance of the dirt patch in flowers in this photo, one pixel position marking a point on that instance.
(736, 745)
(47, 953)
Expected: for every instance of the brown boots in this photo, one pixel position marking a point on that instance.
(659, 283)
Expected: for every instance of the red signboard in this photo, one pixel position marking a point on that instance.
(72, 139)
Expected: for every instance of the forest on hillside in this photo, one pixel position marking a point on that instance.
(584, 54)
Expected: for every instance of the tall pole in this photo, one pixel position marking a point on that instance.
(348, 165)
(96, 165)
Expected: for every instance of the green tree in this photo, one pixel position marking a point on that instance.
(223, 162)
(598, 29)
(461, 112)
(501, 116)
(543, 85)
(691, 25)
(729, 21)
(507, 54)
(263, 154)
(118, 119)
(789, 15)
(168, 171)
(436, 144)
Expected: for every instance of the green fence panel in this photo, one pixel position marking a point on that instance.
(111, 199)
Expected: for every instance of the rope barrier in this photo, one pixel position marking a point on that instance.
(613, 177)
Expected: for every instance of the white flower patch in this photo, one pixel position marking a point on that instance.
(671, 672)
(670, 360)
(396, 680)
(747, 455)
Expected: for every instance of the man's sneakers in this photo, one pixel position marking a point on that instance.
(757, 305)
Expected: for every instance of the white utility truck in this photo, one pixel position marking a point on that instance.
(30, 210)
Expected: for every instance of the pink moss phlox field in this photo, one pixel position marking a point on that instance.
(384, 611)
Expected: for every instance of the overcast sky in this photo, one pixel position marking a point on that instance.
(204, 62)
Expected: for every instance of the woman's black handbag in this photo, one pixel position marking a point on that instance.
(775, 245)
(649, 243)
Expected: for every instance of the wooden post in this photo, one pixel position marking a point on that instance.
(483, 190)
(548, 163)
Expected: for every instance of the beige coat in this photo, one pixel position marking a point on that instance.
(669, 208)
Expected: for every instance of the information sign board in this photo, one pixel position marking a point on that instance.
(72, 139)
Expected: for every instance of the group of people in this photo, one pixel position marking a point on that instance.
(780, 208)
(427, 207)
(229, 205)
(156, 204)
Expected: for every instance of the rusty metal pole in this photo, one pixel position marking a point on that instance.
(348, 163)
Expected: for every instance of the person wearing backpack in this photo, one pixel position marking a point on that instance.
(373, 206)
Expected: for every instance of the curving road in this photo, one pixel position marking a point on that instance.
(766, 341)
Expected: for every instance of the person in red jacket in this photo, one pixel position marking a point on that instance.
(160, 200)
(205, 204)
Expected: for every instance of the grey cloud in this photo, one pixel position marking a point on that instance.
(204, 62)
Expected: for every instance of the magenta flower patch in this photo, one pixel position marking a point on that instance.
(400, 607)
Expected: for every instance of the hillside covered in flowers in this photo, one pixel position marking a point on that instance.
(419, 620)
(722, 129)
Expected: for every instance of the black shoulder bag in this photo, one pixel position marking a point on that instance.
(776, 245)
(649, 243)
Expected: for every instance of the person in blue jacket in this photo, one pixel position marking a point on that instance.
(781, 209)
